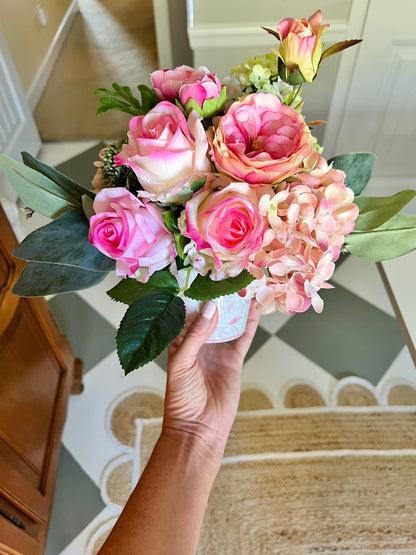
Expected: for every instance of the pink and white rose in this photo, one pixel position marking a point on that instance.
(260, 140)
(132, 232)
(164, 149)
(225, 223)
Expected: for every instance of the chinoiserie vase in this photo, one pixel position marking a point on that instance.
(232, 316)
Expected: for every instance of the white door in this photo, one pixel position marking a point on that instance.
(378, 113)
(18, 130)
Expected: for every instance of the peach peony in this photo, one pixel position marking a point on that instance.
(260, 140)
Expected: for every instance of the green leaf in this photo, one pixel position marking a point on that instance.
(375, 211)
(203, 288)
(64, 242)
(357, 167)
(180, 242)
(39, 279)
(394, 238)
(147, 328)
(198, 184)
(171, 220)
(290, 76)
(113, 104)
(87, 206)
(121, 98)
(37, 191)
(338, 47)
(129, 290)
(71, 187)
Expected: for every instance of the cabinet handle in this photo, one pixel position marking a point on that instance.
(12, 518)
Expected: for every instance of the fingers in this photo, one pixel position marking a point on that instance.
(242, 344)
(199, 331)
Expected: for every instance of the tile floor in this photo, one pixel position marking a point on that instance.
(357, 334)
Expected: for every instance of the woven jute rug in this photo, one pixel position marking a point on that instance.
(302, 478)
(311, 480)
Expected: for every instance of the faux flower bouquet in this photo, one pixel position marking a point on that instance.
(219, 187)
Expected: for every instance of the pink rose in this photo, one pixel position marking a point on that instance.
(164, 149)
(167, 82)
(301, 45)
(206, 96)
(260, 140)
(132, 232)
(226, 223)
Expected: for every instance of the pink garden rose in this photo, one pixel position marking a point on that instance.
(226, 223)
(260, 140)
(167, 82)
(301, 45)
(164, 149)
(132, 232)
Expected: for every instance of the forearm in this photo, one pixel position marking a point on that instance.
(165, 511)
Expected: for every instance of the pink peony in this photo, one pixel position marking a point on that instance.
(164, 149)
(226, 223)
(132, 232)
(167, 82)
(260, 140)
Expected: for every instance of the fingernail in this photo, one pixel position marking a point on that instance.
(208, 310)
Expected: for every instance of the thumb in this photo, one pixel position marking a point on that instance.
(199, 331)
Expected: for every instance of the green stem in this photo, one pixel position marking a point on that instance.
(298, 91)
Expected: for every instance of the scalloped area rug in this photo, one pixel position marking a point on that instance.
(295, 480)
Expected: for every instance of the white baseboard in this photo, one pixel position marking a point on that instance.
(41, 78)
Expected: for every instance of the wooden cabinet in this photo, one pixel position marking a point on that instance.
(38, 371)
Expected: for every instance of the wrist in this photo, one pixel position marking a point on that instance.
(196, 440)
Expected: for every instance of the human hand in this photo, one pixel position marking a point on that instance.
(203, 383)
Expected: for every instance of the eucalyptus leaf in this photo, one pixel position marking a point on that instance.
(203, 288)
(129, 290)
(147, 328)
(87, 206)
(394, 238)
(71, 187)
(39, 279)
(357, 167)
(64, 242)
(37, 191)
(375, 211)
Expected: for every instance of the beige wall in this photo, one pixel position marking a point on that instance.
(28, 41)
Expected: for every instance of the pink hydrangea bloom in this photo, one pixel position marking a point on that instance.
(308, 221)
(131, 232)
(260, 140)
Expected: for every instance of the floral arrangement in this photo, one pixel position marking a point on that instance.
(219, 187)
